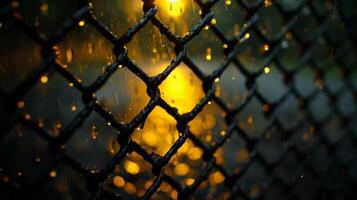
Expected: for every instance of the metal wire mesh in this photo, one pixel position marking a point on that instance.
(341, 46)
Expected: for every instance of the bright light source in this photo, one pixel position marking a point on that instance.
(267, 69)
(176, 7)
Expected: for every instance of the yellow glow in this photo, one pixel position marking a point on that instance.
(150, 138)
(174, 194)
(131, 167)
(228, 2)
(218, 156)
(210, 121)
(69, 55)
(182, 89)
(195, 153)
(118, 181)
(216, 178)
(181, 169)
(44, 79)
(223, 133)
(81, 23)
(213, 21)
(267, 69)
(73, 108)
(208, 138)
(189, 181)
(209, 54)
(159, 131)
(247, 36)
(266, 47)
(184, 148)
(175, 7)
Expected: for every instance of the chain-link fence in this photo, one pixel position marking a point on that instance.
(303, 146)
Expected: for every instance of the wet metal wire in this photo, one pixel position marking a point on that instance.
(94, 178)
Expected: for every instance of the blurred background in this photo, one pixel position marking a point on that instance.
(54, 101)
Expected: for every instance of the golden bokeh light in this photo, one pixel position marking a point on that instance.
(130, 188)
(175, 8)
(150, 138)
(182, 169)
(189, 181)
(182, 89)
(213, 21)
(209, 54)
(81, 23)
(247, 36)
(118, 181)
(195, 153)
(266, 47)
(44, 79)
(159, 132)
(267, 69)
(131, 167)
(216, 178)
(53, 173)
(21, 104)
(73, 108)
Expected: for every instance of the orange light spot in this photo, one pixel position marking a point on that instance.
(266, 47)
(21, 104)
(118, 181)
(53, 173)
(181, 169)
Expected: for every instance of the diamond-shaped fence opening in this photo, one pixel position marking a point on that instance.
(178, 99)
